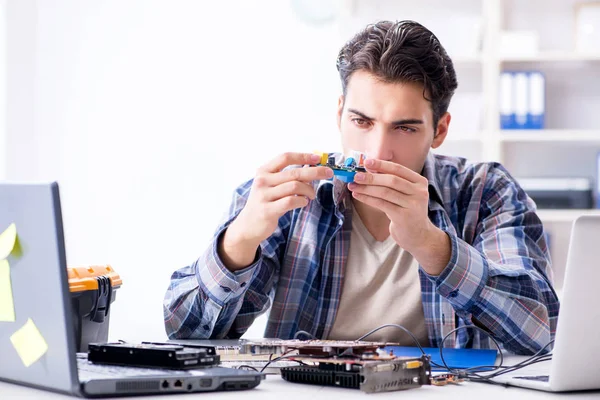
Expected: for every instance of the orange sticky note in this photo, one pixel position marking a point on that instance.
(29, 343)
(7, 241)
(7, 307)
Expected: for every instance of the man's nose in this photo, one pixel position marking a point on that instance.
(380, 147)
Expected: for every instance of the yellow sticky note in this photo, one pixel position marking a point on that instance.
(7, 241)
(29, 343)
(7, 307)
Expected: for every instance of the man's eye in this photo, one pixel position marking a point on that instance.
(359, 121)
(406, 129)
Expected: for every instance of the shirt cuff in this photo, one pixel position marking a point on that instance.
(465, 276)
(220, 283)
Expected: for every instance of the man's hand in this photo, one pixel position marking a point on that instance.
(274, 192)
(403, 196)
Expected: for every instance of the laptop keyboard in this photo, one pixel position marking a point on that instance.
(540, 378)
(88, 370)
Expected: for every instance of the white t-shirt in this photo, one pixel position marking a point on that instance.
(381, 286)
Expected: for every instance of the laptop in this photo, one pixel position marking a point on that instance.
(40, 293)
(576, 347)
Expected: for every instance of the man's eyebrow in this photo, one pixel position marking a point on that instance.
(410, 121)
(353, 111)
(406, 121)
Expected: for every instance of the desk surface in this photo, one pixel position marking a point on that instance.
(275, 388)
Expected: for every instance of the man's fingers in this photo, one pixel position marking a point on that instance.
(281, 206)
(287, 159)
(390, 195)
(299, 174)
(388, 167)
(290, 189)
(388, 208)
(386, 180)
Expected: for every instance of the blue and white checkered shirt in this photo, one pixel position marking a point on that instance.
(499, 272)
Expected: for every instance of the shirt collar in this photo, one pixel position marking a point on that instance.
(430, 171)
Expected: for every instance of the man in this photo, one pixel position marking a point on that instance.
(421, 240)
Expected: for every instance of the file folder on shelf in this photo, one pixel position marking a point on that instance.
(522, 100)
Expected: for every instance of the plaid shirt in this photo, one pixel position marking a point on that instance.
(499, 271)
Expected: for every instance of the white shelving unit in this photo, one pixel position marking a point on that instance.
(475, 59)
(571, 141)
(552, 135)
(553, 56)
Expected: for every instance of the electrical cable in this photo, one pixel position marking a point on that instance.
(395, 326)
(311, 336)
(475, 374)
(272, 360)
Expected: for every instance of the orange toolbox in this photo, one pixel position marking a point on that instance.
(93, 290)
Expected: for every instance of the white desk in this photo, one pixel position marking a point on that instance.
(275, 388)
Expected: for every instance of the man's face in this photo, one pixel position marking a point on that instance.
(388, 121)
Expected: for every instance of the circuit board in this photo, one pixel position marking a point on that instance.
(344, 168)
(369, 375)
(313, 347)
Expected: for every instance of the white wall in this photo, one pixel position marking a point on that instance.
(3, 124)
(149, 113)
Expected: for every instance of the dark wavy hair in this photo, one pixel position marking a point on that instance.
(403, 51)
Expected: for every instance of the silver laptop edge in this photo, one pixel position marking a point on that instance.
(576, 346)
(36, 211)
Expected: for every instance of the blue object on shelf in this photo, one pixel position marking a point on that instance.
(598, 180)
(522, 102)
(521, 99)
(506, 104)
(455, 358)
(537, 100)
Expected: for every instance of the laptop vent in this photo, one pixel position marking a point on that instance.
(136, 386)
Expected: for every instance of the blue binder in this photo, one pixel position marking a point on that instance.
(522, 102)
(537, 100)
(521, 99)
(598, 180)
(506, 104)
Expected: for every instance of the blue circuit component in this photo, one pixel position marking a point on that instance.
(346, 170)
(344, 176)
(350, 162)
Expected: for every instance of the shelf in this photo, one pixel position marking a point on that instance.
(549, 135)
(463, 139)
(551, 56)
(564, 215)
(467, 59)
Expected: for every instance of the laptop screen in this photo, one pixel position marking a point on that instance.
(36, 331)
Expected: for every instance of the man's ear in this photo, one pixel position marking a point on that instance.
(339, 111)
(441, 131)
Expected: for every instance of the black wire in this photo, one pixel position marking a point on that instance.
(311, 336)
(272, 360)
(539, 354)
(535, 358)
(441, 346)
(475, 377)
(474, 373)
(395, 326)
(250, 367)
(525, 363)
(286, 355)
(496, 370)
